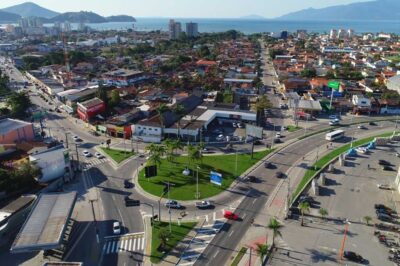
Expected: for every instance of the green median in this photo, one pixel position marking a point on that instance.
(117, 155)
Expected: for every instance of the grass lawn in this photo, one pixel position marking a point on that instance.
(321, 163)
(117, 155)
(185, 186)
(292, 128)
(178, 233)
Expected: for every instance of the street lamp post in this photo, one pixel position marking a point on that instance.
(346, 229)
(197, 184)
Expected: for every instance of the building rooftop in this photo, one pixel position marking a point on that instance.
(46, 222)
(7, 125)
(90, 103)
(123, 73)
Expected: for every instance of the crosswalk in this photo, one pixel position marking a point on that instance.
(199, 243)
(92, 162)
(124, 243)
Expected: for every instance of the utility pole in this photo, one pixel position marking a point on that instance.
(197, 184)
(66, 138)
(77, 155)
(346, 228)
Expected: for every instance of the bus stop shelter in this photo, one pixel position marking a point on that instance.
(46, 223)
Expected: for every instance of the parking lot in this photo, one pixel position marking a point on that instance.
(350, 193)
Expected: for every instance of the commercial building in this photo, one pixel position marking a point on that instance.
(90, 108)
(54, 163)
(333, 34)
(45, 226)
(174, 29)
(192, 29)
(15, 131)
(123, 77)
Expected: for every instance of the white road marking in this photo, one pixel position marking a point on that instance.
(134, 244)
(214, 215)
(244, 215)
(190, 256)
(114, 244)
(254, 201)
(207, 218)
(216, 253)
(138, 245)
(205, 236)
(230, 234)
(130, 245)
(143, 243)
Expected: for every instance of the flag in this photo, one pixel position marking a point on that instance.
(334, 85)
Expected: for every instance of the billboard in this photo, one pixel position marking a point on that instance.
(216, 178)
(254, 131)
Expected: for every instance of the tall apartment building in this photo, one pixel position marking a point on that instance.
(342, 34)
(192, 29)
(175, 29)
(350, 33)
(333, 34)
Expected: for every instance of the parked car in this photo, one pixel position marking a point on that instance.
(252, 178)
(98, 155)
(385, 187)
(279, 174)
(362, 127)
(220, 137)
(334, 122)
(278, 135)
(372, 123)
(352, 256)
(306, 198)
(230, 215)
(173, 204)
(277, 140)
(77, 139)
(116, 228)
(382, 206)
(86, 153)
(383, 162)
(333, 117)
(383, 211)
(384, 217)
(204, 204)
(268, 165)
(387, 168)
(131, 202)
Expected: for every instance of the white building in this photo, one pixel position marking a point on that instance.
(54, 163)
(350, 33)
(175, 29)
(333, 34)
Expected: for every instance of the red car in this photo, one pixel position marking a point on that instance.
(230, 215)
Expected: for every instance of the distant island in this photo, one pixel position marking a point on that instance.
(373, 10)
(253, 17)
(13, 13)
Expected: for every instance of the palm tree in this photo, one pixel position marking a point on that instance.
(262, 104)
(179, 110)
(160, 111)
(303, 207)
(178, 145)
(163, 236)
(262, 250)
(169, 146)
(323, 212)
(367, 219)
(191, 153)
(274, 225)
(155, 153)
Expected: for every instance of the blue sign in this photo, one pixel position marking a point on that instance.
(216, 178)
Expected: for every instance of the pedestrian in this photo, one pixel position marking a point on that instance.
(288, 253)
(327, 146)
(368, 166)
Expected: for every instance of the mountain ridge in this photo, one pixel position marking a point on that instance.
(29, 9)
(371, 10)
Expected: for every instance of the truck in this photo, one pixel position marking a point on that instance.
(204, 204)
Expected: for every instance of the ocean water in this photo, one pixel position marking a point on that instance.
(254, 26)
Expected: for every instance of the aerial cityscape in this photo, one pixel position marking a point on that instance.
(199, 133)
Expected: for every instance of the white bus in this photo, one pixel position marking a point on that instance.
(334, 135)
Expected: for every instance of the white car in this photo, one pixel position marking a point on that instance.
(77, 139)
(278, 135)
(116, 228)
(220, 137)
(98, 155)
(86, 153)
(333, 117)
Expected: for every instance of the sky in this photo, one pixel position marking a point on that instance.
(183, 8)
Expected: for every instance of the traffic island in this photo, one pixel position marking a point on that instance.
(117, 155)
(164, 241)
(185, 182)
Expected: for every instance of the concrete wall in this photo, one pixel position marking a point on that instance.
(25, 133)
